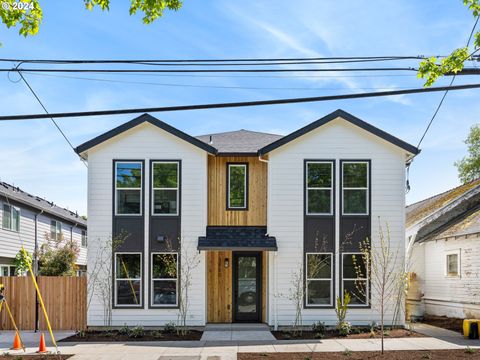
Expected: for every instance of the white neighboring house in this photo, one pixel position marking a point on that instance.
(443, 243)
(336, 176)
(26, 219)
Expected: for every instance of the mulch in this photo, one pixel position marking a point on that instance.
(444, 322)
(36, 357)
(365, 355)
(148, 335)
(332, 334)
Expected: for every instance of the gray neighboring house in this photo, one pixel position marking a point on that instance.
(27, 219)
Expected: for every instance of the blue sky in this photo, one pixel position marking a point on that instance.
(36, 158)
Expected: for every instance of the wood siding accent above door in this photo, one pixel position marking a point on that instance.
(256, 213)
(219, 287)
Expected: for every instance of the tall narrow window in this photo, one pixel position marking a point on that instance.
(11, 218)
(165, 182)
(164, 279)
(128, 279)
(319, 279)
(128, 188)
(355, 180)
(355, 278)
(453, 264)
(319, 184)
(237, 190)
(84, 238)
(55, 230)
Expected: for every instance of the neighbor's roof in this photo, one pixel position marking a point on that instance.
(245, 142)
(16, 194)
(348, 117)
(239, 142)
(468, 224)
(420, 210)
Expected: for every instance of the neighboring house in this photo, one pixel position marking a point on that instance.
(258, 207)
(443, 247)
(26, 220)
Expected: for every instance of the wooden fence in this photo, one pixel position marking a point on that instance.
(65, 299)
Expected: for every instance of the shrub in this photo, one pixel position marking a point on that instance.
(124, 330)
(344, 328)
(169, 327)
(318, 328)
(157, 334)
(136, 332)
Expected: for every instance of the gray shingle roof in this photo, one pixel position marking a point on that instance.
(240, 141)
(16, 194)
(237, 238)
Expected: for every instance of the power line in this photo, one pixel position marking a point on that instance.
(204, 86)
(446, 91)
(51, 118)
(207, 70)
(238, 104)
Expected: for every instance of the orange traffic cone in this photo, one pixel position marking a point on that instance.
(17, 344)
(42, 349)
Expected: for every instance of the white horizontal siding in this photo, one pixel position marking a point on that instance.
(147, 142)
(335, 140)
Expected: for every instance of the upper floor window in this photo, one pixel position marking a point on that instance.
(84, 238)
(128, 188)
(165, 180)
(319, 184)
(237, 188)
(355, 180)
(11, 218)
(55, 230)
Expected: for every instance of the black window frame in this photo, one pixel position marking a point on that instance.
(331, 280)
(368, 189)
(229, 164)
(368, 293)
(115, 280)
(152, 279)
(152, 188)
(141, 189)
(332, 187)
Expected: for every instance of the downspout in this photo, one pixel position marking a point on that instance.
(35, 266)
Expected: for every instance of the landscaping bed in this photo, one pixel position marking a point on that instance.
(132, 335)
(333, 334)
(36, 357)
(444, 322)
(367, 355)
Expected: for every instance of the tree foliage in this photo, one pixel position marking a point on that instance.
(433, 68)
(469, 166)
(57, 257)
(28, 16)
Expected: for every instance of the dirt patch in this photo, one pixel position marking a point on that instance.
(333, 334)
(365, 355)
(444, 322)
(148, 335)
(36, 357)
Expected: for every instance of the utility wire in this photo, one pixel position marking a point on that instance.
(238, 104)
(446, 91)
(51, 118)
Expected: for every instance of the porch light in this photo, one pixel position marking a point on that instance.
(225, 263)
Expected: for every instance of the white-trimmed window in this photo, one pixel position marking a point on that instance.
(319, 279)
(355, 278)
(164, 277)
(237, 189)
(128, 188)
(355, 182)
(7, 270)
(11, 218)
(319, 191)
(55, 230)
(452, 264)
(165, 187)
(84, 238)
(128, 279)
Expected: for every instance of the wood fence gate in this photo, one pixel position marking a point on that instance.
(65, 299)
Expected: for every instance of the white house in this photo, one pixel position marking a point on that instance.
(443, 244)
(28, 219)
(257, 207)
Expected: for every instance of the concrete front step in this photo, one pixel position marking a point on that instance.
(237, 327)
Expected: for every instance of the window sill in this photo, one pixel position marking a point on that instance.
(10, 230)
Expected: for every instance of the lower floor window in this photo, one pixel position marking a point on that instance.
(164, 288)
(319, 279)
(355, 278)
(128, 279)
(7, 270)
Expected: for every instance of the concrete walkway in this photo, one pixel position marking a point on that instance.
(240, 332)
(228, 349)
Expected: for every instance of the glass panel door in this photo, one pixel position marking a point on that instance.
(247, 287)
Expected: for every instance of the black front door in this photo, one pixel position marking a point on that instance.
(247, 286)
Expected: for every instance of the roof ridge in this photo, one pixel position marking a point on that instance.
(444, 192)
(233, 131)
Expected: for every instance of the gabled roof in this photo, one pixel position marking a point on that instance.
(348, 117)
(17, 195)
(239, 142)
(140, 120)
